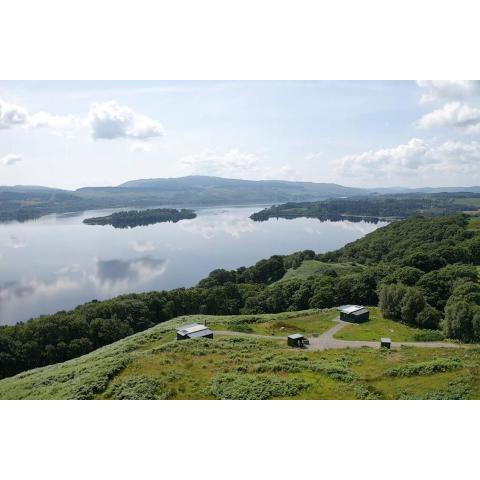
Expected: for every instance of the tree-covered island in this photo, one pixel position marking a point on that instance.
(136, 218)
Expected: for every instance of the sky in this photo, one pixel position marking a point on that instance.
(70, 134)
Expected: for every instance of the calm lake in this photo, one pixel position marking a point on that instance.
(57, 262)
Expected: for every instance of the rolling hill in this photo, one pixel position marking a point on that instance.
(28, 202)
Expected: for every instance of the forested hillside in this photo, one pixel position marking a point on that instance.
(423, 271)
(375, 206)
(25, 203)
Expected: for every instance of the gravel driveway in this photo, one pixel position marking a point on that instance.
(326, 341)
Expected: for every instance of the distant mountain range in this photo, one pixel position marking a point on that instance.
(23, 202)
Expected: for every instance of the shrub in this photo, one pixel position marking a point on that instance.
(363, 392)
(429, 336)
(139, 387)
(462, 320)
(425, 368)
(240, 327)
(458, 389)
(254, 387)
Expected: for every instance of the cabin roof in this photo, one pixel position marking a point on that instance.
(200, 333)
(351, 308)
(360, 312)
(295, 336)
(191, 328)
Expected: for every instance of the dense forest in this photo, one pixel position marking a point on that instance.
(136, 218)
(423, 271)
(375, 207)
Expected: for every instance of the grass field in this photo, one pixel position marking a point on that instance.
(313, 322)
(315, 267)
(378, 327)
(474, 224)
(152, 364)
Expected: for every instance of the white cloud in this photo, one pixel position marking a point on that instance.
(453, 114)
(313, 156)
(232, 163)
(106, 120)
(55, 122)
(17, 116)
(11, 159)
(140, 147)
(448, 89)
(287, 172)
(110, 120)
(12, 115)
(416, 157)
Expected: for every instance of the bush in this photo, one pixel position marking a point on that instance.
(429, 336)
(425, 368)
(462, 320)
(240, 327)
(399, 302)
(429, 317)
(458, 389)
(254, 387)
(139, 388)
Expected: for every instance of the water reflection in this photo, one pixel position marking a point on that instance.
(116, 271)
(15, 242)
(105, 273)
(143, 246)
(225, 223)
(56, 262)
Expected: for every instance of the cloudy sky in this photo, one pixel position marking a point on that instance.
(73, 134)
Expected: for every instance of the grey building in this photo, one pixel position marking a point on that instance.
(194, 330)
(385, 343)
(296, 340)
(354, 313)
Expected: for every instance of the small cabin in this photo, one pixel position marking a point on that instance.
(195, 330)
(354, 313)
(385, 343)
(296, 340)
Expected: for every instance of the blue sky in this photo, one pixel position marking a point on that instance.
(72, 134)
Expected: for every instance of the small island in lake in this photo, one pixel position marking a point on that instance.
(137, 218)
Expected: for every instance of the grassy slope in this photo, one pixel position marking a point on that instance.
(474, 225)
(378, 327)
(152, 364)
(309, 323)
(316, 267)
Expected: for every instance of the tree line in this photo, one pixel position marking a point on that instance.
(374, 207)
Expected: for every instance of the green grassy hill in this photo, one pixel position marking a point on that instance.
(153, 365)
(310, 268)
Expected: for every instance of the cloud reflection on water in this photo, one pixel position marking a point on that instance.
(208, 227)
(105, 273)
